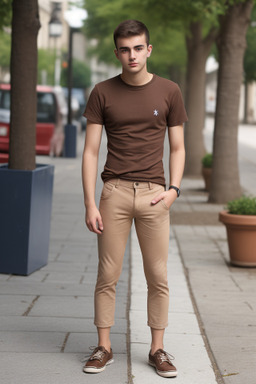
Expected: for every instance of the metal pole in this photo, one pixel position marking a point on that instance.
(70, 53)
(70, 130)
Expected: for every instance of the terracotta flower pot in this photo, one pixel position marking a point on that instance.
(207, 173)
(241, 234)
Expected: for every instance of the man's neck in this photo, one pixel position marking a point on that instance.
(136, 79)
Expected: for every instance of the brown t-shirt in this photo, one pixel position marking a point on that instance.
(135, 119)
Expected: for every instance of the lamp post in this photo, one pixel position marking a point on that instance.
(70, 129)
(75, 18)
(70, 71)
(55, 31)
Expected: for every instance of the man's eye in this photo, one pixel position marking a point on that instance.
(139, 49)
(124, 50)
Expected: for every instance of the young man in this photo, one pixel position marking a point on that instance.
(135, 108)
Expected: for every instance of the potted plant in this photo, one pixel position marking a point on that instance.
(240, 222)
(207, 170)
(26, 187)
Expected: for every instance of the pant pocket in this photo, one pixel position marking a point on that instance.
(107, 190)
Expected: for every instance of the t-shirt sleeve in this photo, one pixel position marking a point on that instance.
(94, 107)
(177, 114)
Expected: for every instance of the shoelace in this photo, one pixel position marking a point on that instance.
(97, 355)
(165, 356)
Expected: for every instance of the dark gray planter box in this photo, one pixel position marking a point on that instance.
(25, 206)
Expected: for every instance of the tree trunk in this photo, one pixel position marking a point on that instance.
(25, 27)
(198, 50)
(225, 184)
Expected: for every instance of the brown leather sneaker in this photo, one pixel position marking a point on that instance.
(162, 361)
(98, 360)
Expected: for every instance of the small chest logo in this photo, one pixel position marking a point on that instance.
(156, 113)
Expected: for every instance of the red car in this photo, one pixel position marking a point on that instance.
(51, 114)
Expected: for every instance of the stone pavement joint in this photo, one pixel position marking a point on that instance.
(65, 342)
(26, 313)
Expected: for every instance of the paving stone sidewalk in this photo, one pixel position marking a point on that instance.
(46, 319)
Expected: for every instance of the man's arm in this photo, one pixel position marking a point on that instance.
(89, 175)
(176, 164)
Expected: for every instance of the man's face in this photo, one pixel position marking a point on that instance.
(132, 52)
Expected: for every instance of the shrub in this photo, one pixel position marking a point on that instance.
(207, 160)
(242, 206)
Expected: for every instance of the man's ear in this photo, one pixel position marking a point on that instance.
(116, 53)
(150, 47)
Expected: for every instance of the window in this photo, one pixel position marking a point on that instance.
(5, 99)
(46, 108)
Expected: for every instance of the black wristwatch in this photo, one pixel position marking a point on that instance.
(176, 189)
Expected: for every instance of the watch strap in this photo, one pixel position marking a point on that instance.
(176, 189)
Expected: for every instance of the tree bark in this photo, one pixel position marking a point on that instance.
(25, 27)
(198, 49)
(225, 183)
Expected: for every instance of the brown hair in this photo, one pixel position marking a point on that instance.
(131, 28)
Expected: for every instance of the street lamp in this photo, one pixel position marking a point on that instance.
(55, 31)
(55, 25)
(55, 28)
(75, 18)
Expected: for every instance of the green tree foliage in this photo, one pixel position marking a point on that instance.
(250, 53)
(46, 62)
(5, 49)
(103, 16)
(169, 51)
(5, 13)
(81, 75)
(5, 38)
(168, 58)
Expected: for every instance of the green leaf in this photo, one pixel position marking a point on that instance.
(243, 206)
(5, 13)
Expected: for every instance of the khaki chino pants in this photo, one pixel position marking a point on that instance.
(122, 202)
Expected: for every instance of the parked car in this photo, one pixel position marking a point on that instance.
(51, 117)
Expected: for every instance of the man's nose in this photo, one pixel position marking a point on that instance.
(132, 54)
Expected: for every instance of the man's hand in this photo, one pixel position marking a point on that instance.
(168, 196)
(93, 220)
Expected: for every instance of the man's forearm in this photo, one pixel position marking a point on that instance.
(176, 166)
(89, 174)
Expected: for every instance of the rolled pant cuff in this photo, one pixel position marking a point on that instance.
(157, 326)
(104, 325)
